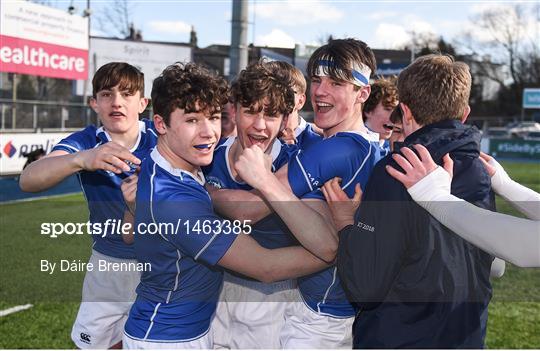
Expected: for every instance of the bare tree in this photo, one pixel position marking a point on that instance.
(116, 18)
(506, 37)
(424, 43)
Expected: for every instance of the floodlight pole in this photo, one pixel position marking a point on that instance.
(85, 110)
(239, 49)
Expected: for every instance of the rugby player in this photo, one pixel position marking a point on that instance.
(397, 136)
(250, 314)
(339, 73)
(297, 131)
(378, 109)
(101, 158)
(178, 297)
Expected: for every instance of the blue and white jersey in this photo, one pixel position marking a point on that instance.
(102, 188)
(270, 232)
(305, 135)
(385, 148)
(350, 156)
(178, 296)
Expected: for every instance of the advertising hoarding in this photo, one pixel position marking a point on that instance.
(150, 58)
(42, 41)
(14, 145)
(515, 148)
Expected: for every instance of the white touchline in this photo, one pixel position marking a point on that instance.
(15, 309)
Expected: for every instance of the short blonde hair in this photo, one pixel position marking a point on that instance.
(435, 88)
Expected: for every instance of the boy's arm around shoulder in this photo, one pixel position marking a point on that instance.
(233, 250)
(239, 204)
(247, 257)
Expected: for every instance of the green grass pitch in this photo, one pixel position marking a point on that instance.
(514, 313)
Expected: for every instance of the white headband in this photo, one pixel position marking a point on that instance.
(360, 72)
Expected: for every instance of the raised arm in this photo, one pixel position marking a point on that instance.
(247, 205)
(309, 221)
(513, 239)
(48, 171)
(59, 164)
(525, 200)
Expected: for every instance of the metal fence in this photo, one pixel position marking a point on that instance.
(48, 116)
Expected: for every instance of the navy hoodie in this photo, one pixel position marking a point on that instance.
(415, 283)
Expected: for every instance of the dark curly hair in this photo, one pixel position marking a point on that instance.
(190, 87)
(384, 91)
(126, 76)
(265, 86)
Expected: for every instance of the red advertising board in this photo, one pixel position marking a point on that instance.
(36, 58)
(43, 41)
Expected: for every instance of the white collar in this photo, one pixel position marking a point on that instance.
(276, 150)
(369, 135)
(301, 127)
(142, 129)
(178, 172)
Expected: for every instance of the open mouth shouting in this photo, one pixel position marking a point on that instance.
(388, 127)
(258, 140)
(323, 107)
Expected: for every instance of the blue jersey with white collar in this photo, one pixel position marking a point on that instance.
(350, 156)
(270, 232)
(305, 135)
(178, 296)
(385, 148)
(102, 188)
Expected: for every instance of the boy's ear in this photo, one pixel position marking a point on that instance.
(234, 111)
(407, 116)
(142, 105)
(159, 124)
(283, 123)
(466, 114)
(363, 94)
(301, 102)
(93, 104)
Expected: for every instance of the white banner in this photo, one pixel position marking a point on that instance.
(42, 41)
(14, 146)
(150, 58)
(26, 20)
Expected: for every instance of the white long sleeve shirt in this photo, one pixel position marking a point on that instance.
(513, 239)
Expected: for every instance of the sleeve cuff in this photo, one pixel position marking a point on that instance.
(433, 187)
(500, 179)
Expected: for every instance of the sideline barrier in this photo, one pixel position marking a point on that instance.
(515, 148)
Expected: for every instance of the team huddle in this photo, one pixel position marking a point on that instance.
(270, 252)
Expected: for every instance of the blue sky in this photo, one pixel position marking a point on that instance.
(382, 24)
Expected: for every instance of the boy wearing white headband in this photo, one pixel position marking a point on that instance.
(339, 73)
